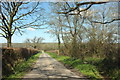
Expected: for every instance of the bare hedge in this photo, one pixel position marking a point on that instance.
(13, 56)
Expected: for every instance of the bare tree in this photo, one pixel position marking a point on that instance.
(15, 16)
(69, 27)
(78, 23)
(102, 36)
(35, 42)
(55, 28)
(78, 8)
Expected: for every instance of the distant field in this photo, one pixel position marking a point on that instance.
(43, 46)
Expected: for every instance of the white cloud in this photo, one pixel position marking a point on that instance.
(31, 29)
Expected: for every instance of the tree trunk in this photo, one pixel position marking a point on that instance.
(9, 41)
(59, 42)
(74, 47)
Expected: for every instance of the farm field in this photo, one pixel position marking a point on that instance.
(42, 46)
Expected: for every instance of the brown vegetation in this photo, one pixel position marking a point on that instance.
(12, 56)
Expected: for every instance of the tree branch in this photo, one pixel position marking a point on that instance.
(32, 11)
(106, 22)
(80, 4)
(2, 35)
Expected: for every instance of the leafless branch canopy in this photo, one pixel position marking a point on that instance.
(79, 5)
(106, 22)
(77, 11)
(14, 16)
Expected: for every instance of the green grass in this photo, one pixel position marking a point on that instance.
(85, 67)
(24, 66)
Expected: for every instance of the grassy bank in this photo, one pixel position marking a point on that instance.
(24, 66)
(85, 67)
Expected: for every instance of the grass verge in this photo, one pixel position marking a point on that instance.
(24, 66)
(85, 67)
